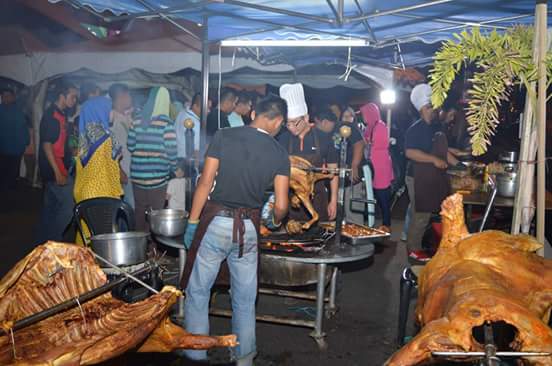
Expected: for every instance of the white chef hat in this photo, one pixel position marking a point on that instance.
(420, 96)
(294, 95)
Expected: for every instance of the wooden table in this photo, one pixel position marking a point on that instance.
(480, 199)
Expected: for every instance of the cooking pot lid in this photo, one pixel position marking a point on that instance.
(121, 235)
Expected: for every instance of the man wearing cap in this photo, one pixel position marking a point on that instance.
(240, 164)
(419, 141)
(301, 139)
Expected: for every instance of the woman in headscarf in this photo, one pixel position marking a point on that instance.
(97, 163)
(376, 136)
(152, 145)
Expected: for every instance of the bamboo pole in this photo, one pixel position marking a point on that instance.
(523, 201)
(541, 12)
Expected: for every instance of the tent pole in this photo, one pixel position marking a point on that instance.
(541, 13)
(523, 200)
(205, 64)
(340, 12)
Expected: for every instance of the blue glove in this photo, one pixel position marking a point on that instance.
(189, 234)
(267, 214)
(270, 224)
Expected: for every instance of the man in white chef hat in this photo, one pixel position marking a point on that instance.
(301, 139)
(419, 141)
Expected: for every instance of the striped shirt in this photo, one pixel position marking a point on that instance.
(153, 152)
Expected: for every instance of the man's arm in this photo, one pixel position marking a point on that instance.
(204, 187)
(423, 157)
(451, 159)
(49, 152)
(358, 152)
(334, 186)
(281, 198)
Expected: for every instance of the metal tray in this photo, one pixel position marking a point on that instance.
(365, 239)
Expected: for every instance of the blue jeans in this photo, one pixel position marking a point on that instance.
(217, 246)
(57, 211)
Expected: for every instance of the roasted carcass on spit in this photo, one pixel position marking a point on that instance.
(473, 279)
(301, 182)
(93, 332)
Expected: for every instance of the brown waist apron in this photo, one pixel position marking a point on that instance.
(431, 184)
(209, 212)
(320, 195)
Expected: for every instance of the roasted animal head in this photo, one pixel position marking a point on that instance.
(485, 278)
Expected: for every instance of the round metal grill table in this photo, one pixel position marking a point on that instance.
(332, 254)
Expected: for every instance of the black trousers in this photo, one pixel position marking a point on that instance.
(9, 171)
(383, 198)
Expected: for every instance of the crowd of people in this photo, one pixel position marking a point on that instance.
(94, 144)
(106, 149)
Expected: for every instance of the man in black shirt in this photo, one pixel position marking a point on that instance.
(54, 161)
(326, 121)
(227, 103)
(418, 147)
(301, 139)
(241, 163)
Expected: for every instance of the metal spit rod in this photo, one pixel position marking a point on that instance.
(498, 354)
(125, 273)
(490, 354)
(71, 303)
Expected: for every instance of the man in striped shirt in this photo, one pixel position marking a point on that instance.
(152, 144)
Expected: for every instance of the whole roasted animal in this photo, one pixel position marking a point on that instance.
(477, 278)
(88, 334)
(301, 182)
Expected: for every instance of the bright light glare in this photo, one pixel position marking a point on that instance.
(294, 43)
(388, 96)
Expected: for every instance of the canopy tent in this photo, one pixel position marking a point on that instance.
(30, 69)
(386, 26)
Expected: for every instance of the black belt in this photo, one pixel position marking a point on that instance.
(230, 213)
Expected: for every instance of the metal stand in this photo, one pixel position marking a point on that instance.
(181, 263)
(345, 132)
(320, 298)
(318, 335)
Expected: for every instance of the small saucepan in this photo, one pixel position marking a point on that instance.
(167, 222)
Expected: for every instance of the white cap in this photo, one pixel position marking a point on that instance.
(420, 96)
(294, 95)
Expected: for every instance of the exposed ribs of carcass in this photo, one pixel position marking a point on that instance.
(487, 277)
(301, 182)
(96, 331)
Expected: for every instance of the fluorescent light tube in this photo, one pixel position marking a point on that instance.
(294, 43)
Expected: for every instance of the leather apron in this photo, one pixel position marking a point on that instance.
(210, 211)
(321, 195)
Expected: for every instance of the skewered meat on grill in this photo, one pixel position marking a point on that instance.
(473, 279)
(93, 332)
(301, 182)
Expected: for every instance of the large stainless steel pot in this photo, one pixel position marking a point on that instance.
(508, 157)
(167, 222)
(121, 249)
(506, 184)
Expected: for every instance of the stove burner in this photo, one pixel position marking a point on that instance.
(130, 291)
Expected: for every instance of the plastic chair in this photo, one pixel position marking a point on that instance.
(104, 215)
(409, 285)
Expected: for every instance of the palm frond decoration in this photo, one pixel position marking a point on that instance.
(503, 60)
